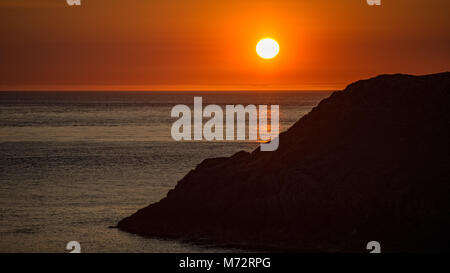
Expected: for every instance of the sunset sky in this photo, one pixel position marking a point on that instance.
(189, 45)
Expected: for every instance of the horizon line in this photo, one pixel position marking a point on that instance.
(148, 88)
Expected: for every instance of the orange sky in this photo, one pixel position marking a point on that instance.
(184, 44)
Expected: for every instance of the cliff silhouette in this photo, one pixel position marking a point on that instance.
(371, 162)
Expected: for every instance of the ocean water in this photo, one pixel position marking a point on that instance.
(74, 163)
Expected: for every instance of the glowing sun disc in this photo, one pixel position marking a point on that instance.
(267, 48)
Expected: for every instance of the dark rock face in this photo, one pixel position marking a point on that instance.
(371, 162)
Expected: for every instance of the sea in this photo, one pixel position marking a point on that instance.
(72, 164)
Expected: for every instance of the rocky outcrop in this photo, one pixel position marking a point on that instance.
(371, 162)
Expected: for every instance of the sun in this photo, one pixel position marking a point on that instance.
(267, 48)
